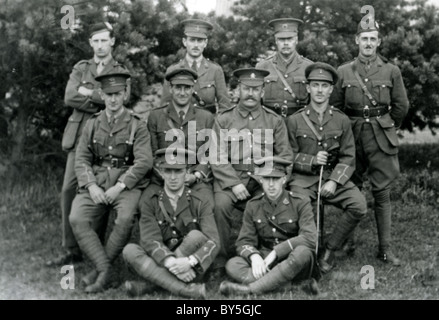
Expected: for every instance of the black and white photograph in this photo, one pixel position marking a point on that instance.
(219, 158)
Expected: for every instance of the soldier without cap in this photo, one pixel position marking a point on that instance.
(277, 238)
(321, 136)
(375, 114)
(285, 86)
(210, 90)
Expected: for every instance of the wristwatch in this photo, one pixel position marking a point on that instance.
(122, 185)
(192, 261)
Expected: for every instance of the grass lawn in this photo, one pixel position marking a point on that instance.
(30, 235)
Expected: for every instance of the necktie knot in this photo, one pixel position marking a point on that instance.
(181, 114)
(194, 66)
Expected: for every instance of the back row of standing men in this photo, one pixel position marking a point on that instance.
(112, 161)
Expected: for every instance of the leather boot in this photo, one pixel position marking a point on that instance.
(389, 257)
(138, 288)
(326, 261)
(228, 288)
(102, 283)
(89, 278)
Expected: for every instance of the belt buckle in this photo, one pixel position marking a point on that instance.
(366, 112)
(284, 111)
(114, 162)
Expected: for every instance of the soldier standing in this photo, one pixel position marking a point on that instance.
(210, 90)
(178, 234)
(241, 134)
(285, 86)
(82, 94)
(321, 138)
(277, 238)
(178, 118)
(112, 159)
(372, 93)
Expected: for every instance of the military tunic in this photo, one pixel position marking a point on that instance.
(210, 86)
(286, 226)
(276, 95)
(384, 82)
(156, 232)
(239, 136)
(101, 156)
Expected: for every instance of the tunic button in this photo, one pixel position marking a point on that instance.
(290, 221)
(109, 168)
(173, 231)
(274, 229)
(367, 120)
(285, 101)
(175, 218)
(110, 148)
(110, 156)
(194, 220)
(303, 159)
(349, 85)
(94, 141)
(273, 217)
(249, 133)
(319, 143)
(209, 85)
(251, 118)
(195, 81)
(249, 173)
(250, 146)
(384, 85)
(259, 220)
(286, 76)
(321, 128)
(366, 80)
(304, 135)
(111, 134)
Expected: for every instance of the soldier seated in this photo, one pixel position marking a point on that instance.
(178, 234)
(277, 239)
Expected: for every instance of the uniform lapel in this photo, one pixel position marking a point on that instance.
(172, 114)
(182, 204)
(190, 115)
(122, 122)
(108, 66)
(104, 126)
(92, 68)
(295, 64)
(374, 67)
(204, 67)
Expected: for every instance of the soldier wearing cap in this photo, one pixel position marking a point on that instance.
(178, 234)
(112, 159)
(321, 138)
(277, 238)
(241, 134)
(210, 90)
(372, 93)
(82, 95)
(285, 86)
(179, 119)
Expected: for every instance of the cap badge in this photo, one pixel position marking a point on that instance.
(252, 76)
(320, 71)
(111, 80)
(284, 26)
(198, 28)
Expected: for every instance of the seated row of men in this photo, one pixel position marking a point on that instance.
(187, 205)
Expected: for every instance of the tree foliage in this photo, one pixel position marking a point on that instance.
(37, 55)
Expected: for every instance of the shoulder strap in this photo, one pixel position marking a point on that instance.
(285, 83)
(363, 86)
(311, 126)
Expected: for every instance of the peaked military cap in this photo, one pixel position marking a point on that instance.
(369, 26)
(100, 27)
(285, 27)
(320, 71)
(251, 77)
(182, 76)
(176, 158)
(271, 166)
(196, 28)
(113, 82)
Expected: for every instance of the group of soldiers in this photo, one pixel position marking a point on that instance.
(302, 133)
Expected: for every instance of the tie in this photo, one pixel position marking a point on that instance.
(367, 66)
(194, 66)
(112, 121)
(181, 114)
(100, 67)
